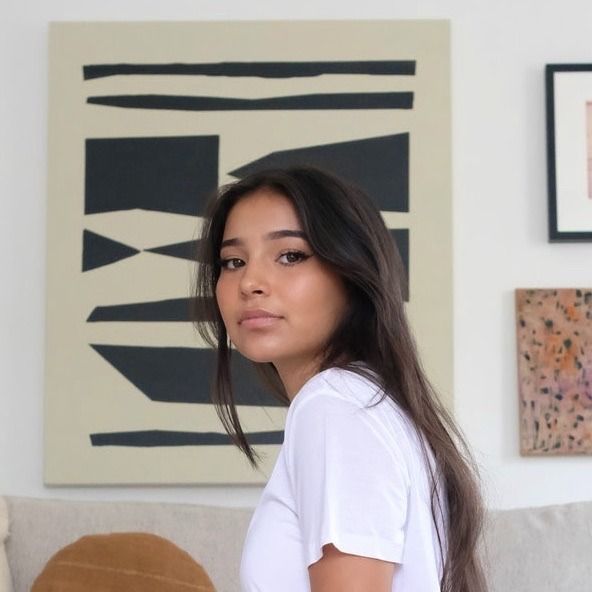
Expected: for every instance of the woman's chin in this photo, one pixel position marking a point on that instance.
(258, 357)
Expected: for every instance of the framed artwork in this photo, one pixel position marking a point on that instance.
(145, 121)
(554, 335)
(569, 151)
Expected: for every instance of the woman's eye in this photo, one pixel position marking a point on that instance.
(292, 257)
(231, 263)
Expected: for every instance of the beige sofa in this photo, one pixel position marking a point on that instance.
(547, 549)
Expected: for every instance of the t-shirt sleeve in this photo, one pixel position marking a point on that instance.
(349, 481)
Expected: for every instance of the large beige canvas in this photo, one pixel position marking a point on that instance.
(84, 394)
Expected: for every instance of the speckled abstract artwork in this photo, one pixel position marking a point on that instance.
(554, 330)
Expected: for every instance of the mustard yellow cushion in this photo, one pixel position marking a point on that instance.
(122, 562)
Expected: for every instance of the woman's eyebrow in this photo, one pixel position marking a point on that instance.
(276, 234)
(231, 242)
(282, 233)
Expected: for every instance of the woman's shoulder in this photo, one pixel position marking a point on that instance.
(347, 389)
(346, 402)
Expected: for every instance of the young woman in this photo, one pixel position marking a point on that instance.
(374, 488)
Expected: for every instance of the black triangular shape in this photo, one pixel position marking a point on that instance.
(186, 250)
(183, 374)
(99, 251)
(379, 165)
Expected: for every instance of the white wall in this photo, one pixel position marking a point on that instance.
(500, 219)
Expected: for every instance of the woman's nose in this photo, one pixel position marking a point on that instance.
(254, 279)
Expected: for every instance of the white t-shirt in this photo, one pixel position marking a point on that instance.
(345, 475)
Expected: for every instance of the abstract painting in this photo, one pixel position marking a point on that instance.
(146, 120)
(554, 328)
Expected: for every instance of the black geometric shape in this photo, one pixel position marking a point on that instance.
(183, 374)
(378, 165)
(162, 311)
(257, 69)
(401, 238)
(186, 250)
(162, 174)
(98, 251)
(326, 101)
(152, 438)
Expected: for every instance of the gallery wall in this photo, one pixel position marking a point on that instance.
(499, 207)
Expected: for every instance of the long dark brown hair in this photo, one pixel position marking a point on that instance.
(346, 231)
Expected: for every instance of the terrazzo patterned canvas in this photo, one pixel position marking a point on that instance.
(554, 330)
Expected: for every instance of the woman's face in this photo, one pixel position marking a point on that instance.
(279, 302)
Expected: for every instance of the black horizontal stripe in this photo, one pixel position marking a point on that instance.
(153, 438)
(256, 69)
(161, 311)
(329, 101)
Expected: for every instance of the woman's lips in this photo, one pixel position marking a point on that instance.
(258, 318)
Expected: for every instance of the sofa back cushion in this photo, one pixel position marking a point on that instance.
(213, 536)
(544, 549)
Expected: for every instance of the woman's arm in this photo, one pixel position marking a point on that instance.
(342, 572)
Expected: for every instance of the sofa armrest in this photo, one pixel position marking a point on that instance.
(5, 577)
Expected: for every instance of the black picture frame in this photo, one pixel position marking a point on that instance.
(562, 91)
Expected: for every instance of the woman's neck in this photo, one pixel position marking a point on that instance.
(295, 375)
